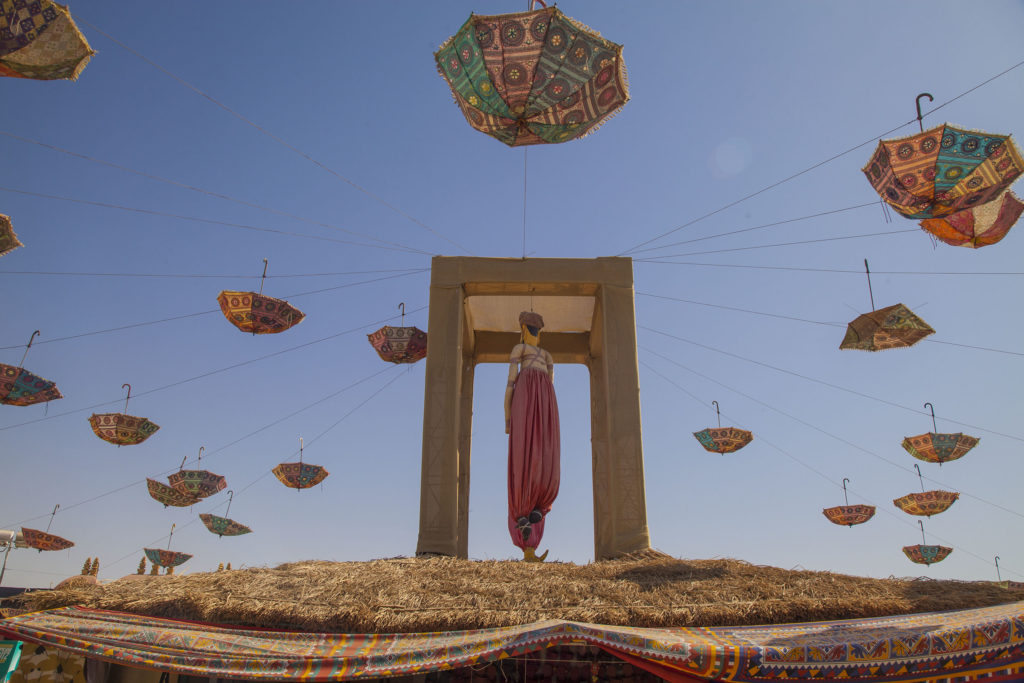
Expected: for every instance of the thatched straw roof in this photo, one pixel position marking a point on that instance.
(437, 594)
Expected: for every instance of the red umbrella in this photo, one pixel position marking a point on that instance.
(44, 540)
(926, 503)
(196, 483)
(940, 448)
(299, 475)
(121, 428)
(399, 344)
(849, 514)
(926, 554)
(19, 387)
(723, 439)
(256, 313)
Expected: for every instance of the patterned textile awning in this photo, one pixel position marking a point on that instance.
(892, 327)
(978, 227)
(8, 240)
(19, 387)
(927, 503)
(849, 514)
(39, 40)
(965, 645)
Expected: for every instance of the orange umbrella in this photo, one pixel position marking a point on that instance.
(19, 387)
(196, 483)
(849, 514)
(223, 526)
(44, 540)
(979, 226)
(169, 495)
(121, 428)
(926, 554)
(299, 475)
(723, 439)
(926, 503)
(399, 344)
(940, 448)
(256, 313)
(167, 558)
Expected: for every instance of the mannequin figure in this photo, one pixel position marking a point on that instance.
(531, 421)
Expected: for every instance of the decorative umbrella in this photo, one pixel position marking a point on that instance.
(979, 226)
(169, 495)
(121, 428)
(926, 503)
(940, 448)
(40, 41)
(44, 540)
(222, 526)
(167, 558)
(849, 514)
(926, 554)
(256, 313)
(533, 77)
(19, 387)
(8, 240)
(196, 483)
(299, 475)
(942, 170)
(892, 327)
(723, 439)
(399, 344)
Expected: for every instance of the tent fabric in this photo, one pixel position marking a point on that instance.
(966, 645)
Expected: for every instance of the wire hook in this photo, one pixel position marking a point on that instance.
(999, 576)
(401, 307)
(916, 467)
(200, 458)
(718, 413)
(918, 102)
(263, 279)
(170, 536)
(231, 498)
(127, 397)
(870, 293)
(929, 405)
(921, 524)
(182, 465)
(27, 347)
(55, 507)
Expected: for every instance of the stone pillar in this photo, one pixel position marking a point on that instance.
(465, 441)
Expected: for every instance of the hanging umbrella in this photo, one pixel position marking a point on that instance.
(533, 77)
(979, 226)
(39, 40)
(121, 428)
(942, 170)
(399, 344)
(940, 448)
(256, 313)
(723, 439)
(44, 540)
(19, 387)
(222, 526)
(299, 475)
(196, 483)
(892, 327)
(926, 503)
(8, 240)
(167, 558)
(169, 495)
(849, 514)
(926, 554)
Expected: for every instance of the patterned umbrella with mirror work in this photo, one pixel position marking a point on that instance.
(924, 553)
(121, 428)
(40, 41)
(196, 483)
(44, 540)
(253, 312)
(19, 387)
(8, 240)
(940, 448)
(849, 514)
(167, 558)
(300, 475)
(892, 327)
(980, 226)
(926, 503)
(223, 526)
(169, 495)
(723, 439)
(399, 344)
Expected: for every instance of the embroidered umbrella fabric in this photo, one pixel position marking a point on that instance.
(121, 428)
(300, 475)
(19, 387)
(940, 448)
(169, 495)
(166, 558)
(196, 483)
(8, 239)
(256, 313)
(40, 41)
(42, 540)
(980, 226)
(222, 526)
(849, 514)
(892, 327)
(534, 77)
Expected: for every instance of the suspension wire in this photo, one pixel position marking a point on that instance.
(210, 373)
(824, 383)
(274, 137)
(819, 270)
(783, 244)
(209, 312)
(233, 276)
(816, 322)
(196, 219)
(756, 227)
(200, 190)
(872, 140)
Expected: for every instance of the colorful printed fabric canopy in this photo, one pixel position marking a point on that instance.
(300, 475)
(977, 227)
(399, 344)
(121, 429)
(849, 514)
(927, 503)
(892, 327)
(966, 645)
(197, 483)
(19, 387)
(259, 314)
(41, 540)
(39, 40)
(166, 558)
(723, 439)
(943, 170)
(169, 495)
(534, 77)
(940, 448)
(926, 554)
(222, 526)
(8, 240)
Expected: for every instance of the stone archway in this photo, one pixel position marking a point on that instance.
(589, 317)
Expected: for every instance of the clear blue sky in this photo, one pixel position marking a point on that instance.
(727, 99)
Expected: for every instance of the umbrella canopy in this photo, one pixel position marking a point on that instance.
(926, 554)
(166, 558)
(849, 514)
(943, 170)
(940, 448)
(533, 77)
(19, 387)
(979, 226)
(42, 540)
(196, 483)
(892, 327)
(121, 428)
(8, 240)
(259, 314)
(723, 439)
(300, 475)
(40, 41)
(399, 344)
(169, 495)
(222, 526)
(926, 503)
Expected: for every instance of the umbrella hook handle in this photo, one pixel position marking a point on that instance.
(264, 277)
(27, 347)
(929, 405)
(999, 577)
(918, 102)
(170, 536)
(200, 458)
(533, 3)
(182, 465)
(921, 524)
(55, 507)
(127, 397)
(845, 497)
(300, 450)
(231, 497)
(401, 307)
(718, 413)
(919, 477)
(870, 292)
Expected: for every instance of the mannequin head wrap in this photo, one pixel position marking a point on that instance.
(531, 319)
